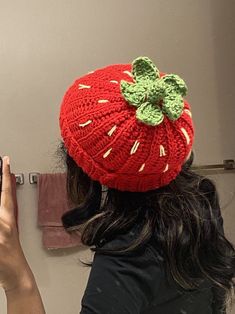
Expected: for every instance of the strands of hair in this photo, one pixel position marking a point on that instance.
(183, 218)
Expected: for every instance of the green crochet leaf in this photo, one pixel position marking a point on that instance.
(156, 91)
(143, 69)
(174, 82)
(133, 93)
(149, 114)
(153, 95)
(173, 106)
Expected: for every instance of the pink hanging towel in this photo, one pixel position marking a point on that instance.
(52, 204)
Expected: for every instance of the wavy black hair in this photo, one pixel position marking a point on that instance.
(183, 217)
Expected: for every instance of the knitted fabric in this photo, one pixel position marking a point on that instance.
(123, 143)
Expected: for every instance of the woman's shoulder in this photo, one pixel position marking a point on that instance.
(129, 279)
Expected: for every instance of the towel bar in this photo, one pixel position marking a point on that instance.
(227, 166)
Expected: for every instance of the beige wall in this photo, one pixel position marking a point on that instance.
(44, 45)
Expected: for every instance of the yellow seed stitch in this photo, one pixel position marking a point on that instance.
(86, 123)
(188, 112)
(162, 151)
(128, 73)
(81, 86)
(112, 130)
(142, 167)
(107, 153)
(186, 135)
(166, 168)
(135, 147)
(113, 81)
(102, 101)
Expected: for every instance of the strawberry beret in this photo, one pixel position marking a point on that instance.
(128, 126)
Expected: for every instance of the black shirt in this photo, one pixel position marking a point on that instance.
(136, 284)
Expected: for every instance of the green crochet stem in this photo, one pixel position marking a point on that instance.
(153, 96)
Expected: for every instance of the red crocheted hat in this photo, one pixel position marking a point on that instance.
(128, 125)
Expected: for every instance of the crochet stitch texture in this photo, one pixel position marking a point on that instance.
(128, 125)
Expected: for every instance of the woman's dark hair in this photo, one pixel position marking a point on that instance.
(183, 218)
